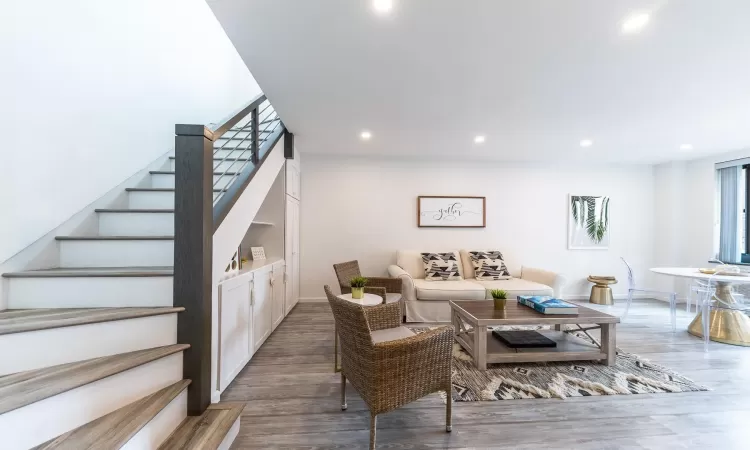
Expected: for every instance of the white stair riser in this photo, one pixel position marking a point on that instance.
(226, 443)
(158, 429)
(231, 166)
(120, 253)
(150, 200)
(166, 181)
(153, 200)
(38, 349)
(89, 292)
(136, 224)
(39, 422)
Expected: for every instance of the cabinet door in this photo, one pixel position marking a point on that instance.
(261, 307)
(295, 256)
(292, 180)
(277, 286)
(292, 253)
(235, 328)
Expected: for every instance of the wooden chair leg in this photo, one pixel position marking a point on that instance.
(448, 406)
(373, 424)
(343, 392)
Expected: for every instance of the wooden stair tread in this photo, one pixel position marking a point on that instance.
(23, 320)
(160, 190)
(223, 159)
(204, 432)
(63, 272)
(118, 427)
(114, 238)
(132, 210)
(171, 172)
(24, 388)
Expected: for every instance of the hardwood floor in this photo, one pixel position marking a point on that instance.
(292, 398)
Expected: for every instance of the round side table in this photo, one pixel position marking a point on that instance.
(601, 293)
(367, 300)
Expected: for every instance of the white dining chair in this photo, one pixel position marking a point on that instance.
(633, 288)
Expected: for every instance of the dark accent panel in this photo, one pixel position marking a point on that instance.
(747, 212)
(193, 248)
(288, 144)
(227, 201)
(255, 142)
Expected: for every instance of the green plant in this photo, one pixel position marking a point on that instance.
(358, 282)
(499, 294)
(583, 209)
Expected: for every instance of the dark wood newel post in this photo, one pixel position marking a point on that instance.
(193, 251)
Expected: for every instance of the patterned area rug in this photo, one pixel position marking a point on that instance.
(630, 375)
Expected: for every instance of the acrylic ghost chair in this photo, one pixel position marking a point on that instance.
(633, 288)
(721, 300)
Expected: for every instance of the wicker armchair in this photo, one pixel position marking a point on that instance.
(389, 374)
(381, 286)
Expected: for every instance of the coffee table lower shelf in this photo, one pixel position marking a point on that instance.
(569, 348)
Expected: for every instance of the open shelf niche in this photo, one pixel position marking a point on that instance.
(267, 228)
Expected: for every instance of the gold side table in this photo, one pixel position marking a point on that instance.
(601, 293)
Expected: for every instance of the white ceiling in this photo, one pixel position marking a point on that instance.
(534, 76)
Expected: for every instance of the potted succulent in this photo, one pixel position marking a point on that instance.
(358, 287)
(499, 296)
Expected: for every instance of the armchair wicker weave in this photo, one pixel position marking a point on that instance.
(388, 288)
(386, 363)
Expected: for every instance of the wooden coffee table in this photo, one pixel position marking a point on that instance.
(468, 316)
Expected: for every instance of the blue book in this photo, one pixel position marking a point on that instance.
(547, 305)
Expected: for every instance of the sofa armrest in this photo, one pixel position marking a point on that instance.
(554, 280)
(408, 292)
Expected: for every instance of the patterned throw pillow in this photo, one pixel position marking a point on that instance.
(489, 266)
(440, 267)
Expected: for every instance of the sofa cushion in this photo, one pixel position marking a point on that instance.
(411, 262)
(441, 266)
(489, 266)
(449, 290)
(515, 287)
(390, 334)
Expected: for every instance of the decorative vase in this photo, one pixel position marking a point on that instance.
(358, 293)
(499, 303)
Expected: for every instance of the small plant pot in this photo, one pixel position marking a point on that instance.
(500, 303)
(358, 293)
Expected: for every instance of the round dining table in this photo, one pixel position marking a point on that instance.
(726, 324)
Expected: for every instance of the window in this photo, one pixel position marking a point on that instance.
(733, 189)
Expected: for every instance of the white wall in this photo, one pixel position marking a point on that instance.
(91, 91)
(686, 235)
(365, 209)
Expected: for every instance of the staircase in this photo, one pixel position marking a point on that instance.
(91, 357)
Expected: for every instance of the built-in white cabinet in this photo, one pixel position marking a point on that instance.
(291, 252)
(236, 328)
(278, 294)
(262, 307)
(293, 179)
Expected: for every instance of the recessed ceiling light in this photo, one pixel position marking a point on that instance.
(382, 6)
(365, 135)
(587, 143)
(686, 147)
(635, 23)
(479, 139)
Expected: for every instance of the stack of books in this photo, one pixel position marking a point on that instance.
(547, 305)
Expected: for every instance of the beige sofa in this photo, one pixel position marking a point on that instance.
(427, 301)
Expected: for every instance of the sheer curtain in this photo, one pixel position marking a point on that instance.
(729, 186)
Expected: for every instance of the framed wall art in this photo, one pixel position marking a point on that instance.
(451, 211)
(588, 222)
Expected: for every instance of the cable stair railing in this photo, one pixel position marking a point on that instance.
(214, 164)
